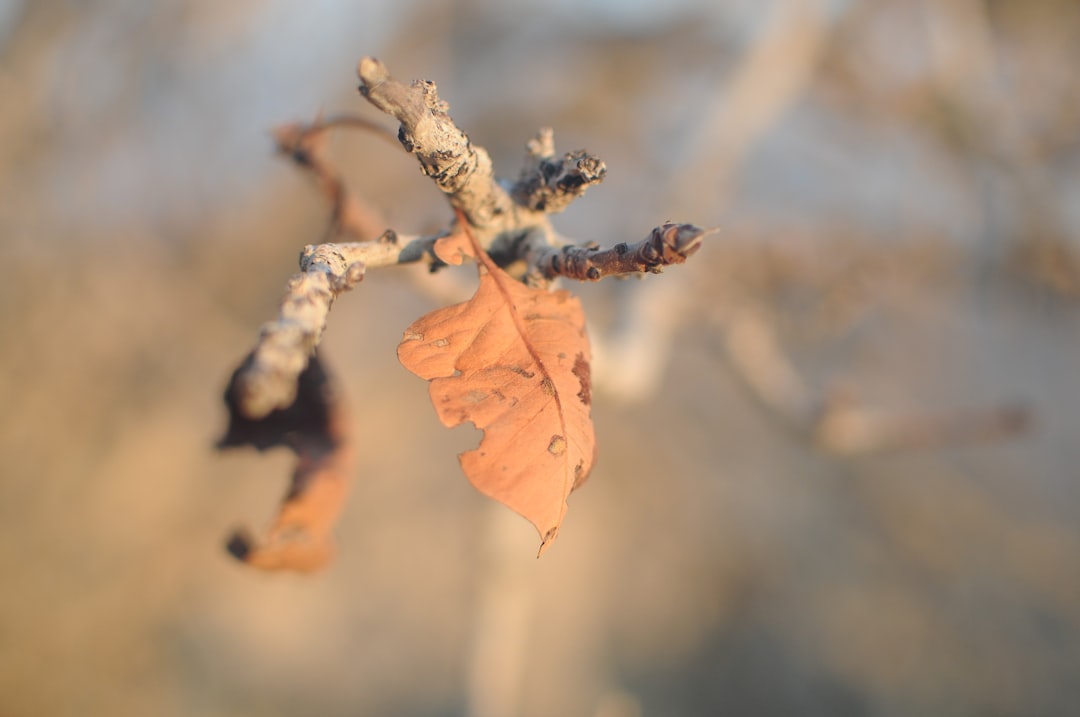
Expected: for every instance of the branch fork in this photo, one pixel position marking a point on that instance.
(510, 228)
(463, 171)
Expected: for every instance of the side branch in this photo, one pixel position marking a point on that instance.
(667, 244)
(267, 379)
(388, 250)
(548, 184)
(462, 171)
(306, 145)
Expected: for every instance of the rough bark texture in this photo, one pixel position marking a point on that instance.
(445, 153)
(268, 378)
(548, 184)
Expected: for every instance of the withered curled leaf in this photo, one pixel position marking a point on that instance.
(315, 426)
(514, 361)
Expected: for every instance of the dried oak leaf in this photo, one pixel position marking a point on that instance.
(514, 361)
(316, 427)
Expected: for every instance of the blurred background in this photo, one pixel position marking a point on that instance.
(838, 448)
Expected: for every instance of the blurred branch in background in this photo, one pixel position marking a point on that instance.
(773, 72)
(837, 423)
(962, 69)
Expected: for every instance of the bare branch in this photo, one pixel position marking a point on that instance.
(388, 250)
(305, 144)
(353, 122)
(548, 184)
(666, 245)
(461, 170)
(844, 428)
(267, 380)
(839, 425)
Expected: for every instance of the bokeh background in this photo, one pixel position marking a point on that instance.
(897, 188)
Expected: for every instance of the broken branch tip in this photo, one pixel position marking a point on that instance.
(371, 72)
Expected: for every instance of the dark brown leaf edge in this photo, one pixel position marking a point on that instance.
(315, 427)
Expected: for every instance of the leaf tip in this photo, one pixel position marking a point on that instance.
(547, 540)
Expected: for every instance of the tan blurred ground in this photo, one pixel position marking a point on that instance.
(897, 187)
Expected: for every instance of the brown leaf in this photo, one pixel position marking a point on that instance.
(514, 361)
(315, 427)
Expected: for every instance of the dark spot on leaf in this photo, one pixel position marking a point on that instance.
(581, 370)
(557, 446)
(547, 387)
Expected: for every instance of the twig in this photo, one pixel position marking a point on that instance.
(351, 121)
(305, 144)
(844, 428)
(268, 380)
(549, 185)
(839, 425)
(666, 245)
(388, 250)
(460, 169)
